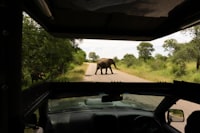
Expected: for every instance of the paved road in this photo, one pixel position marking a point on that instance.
(119, 76)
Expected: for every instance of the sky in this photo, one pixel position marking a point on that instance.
(118, 48)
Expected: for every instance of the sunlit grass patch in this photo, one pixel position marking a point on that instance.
(159, 75)
(73, 75)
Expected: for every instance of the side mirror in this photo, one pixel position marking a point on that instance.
(175, 115)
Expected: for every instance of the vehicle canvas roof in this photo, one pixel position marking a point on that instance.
(140, 20)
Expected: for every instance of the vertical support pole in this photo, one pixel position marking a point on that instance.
(10, 66)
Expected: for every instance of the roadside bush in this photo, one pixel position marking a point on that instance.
(179, 68)
(196, 77)
(129, 60)
(157, 65)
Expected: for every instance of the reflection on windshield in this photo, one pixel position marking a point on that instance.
(130, 101)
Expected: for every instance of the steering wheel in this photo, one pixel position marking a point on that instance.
(144, 124)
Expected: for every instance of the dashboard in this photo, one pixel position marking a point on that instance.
(104, 121)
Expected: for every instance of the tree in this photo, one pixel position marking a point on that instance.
(79, 56)
(76, 42)
(195, 51)
(185, 53)
(129, 59)
(160, 57)
(196, 44)
(42, 52)
(192, 50)
(57, 55)
(31, 46)
(93, 56)
(171, 45)
(145, 50)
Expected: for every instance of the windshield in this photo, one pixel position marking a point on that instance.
(48, 58)
(130, 101)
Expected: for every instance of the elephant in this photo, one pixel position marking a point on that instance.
(105, 63)
(35, 76)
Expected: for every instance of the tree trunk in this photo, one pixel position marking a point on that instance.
(198, 63)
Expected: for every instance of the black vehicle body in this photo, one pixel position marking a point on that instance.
(106, 118)
(130, 20)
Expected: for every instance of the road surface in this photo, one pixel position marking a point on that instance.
(119, 76)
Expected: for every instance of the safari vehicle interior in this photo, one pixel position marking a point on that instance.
(138, 20)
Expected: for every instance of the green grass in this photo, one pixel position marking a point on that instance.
(144, 71)
(163, 75)
(73, 75)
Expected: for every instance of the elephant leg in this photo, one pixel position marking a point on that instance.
(96, 70)
(101, 71)
(106, 70)
(111, 70)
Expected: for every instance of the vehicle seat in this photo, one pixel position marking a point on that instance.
(193, 122)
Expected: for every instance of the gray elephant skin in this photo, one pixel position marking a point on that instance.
(105, 63)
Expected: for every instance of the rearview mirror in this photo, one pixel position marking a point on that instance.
(112, 97)
(175, 115)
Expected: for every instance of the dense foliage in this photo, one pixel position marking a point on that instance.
(43, 53)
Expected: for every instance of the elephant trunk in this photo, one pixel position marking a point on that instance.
(115, 65)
